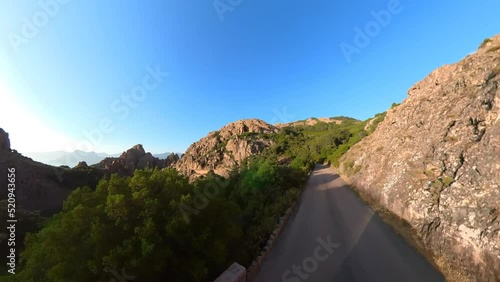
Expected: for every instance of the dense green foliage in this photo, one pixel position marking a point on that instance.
(26, 222)
(156, 226)
(322, 142)
(372, 125)
(79, 177)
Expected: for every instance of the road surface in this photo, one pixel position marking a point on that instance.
(334, 236)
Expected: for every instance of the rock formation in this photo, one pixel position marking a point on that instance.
(435, 162)
(310, 121)
(4, 141)
(38, 186)
(43, 187)
(82, 165)
(135, 158)
(221, 150)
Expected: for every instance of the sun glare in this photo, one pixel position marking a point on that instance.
(27, 132)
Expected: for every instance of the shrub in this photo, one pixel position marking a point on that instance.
(447, 181)
(356, 169)
(484, 42)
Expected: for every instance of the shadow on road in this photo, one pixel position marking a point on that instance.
(367, 249)
(326, 177)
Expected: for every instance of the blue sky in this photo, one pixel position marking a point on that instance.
(65, 67)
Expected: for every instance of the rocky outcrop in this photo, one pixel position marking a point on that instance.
(221, 150)
(311, 121)
(39, 186)
(4, 141)
(43, 187)
(135, 158)
(435, 162)
(82, 165)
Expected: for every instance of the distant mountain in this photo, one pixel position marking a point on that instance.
(165, 155)
(71, 159)
(45, 157)
(104, 155)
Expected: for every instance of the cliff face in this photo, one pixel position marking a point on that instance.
(4, 141)
(221, 150)
(43, 187)
(40, 186)
(435, 161)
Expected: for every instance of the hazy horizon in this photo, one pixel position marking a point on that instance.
(125, 148)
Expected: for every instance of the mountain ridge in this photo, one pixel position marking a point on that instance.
(71, 159)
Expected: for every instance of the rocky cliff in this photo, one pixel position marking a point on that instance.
(4, 141)
(134, 158)
(435, 162)
(40, 186)
(43, 187)
(221, 150)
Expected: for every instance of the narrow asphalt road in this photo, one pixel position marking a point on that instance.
(334, 236)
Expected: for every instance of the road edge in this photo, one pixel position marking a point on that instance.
(254, 267)
(403, 229)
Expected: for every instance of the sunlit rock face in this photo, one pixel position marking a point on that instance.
(221, 150)
(435, 161)
(135, 158)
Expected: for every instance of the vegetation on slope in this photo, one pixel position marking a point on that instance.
(157, 226)
(26, 222)
(322, 142)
